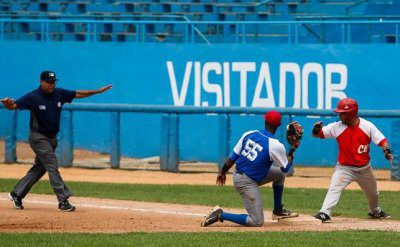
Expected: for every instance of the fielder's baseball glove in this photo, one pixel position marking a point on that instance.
(294, 133)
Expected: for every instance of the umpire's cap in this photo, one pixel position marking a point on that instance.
(48, 76)
(273, 118)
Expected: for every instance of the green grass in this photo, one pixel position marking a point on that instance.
(309, 239)
(351, 204)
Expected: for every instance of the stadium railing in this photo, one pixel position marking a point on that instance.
(239, 32)
(169, 153)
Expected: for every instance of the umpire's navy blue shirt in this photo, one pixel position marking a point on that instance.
(45, 109)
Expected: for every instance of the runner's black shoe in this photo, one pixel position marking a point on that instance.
(323, 217)
(16, 200)
(380, 215)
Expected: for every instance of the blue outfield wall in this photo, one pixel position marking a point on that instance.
(298, 76)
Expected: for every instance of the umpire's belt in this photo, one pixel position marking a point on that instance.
(46, 135)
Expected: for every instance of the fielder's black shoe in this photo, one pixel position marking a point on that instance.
(16, 200)
(283, 213)
(213, 216)
(380, 215)
(65, 206)
(323, 217)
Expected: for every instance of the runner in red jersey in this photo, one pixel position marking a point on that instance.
(354, 135)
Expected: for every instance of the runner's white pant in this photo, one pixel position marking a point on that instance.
(342, 177)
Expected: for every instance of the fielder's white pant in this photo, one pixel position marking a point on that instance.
(342, 177)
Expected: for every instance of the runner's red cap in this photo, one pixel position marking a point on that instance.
(273, 118)
(347, 105)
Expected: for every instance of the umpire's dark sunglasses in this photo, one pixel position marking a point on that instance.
(51, 82)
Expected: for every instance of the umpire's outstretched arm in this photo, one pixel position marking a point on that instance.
(86, 93)
(9, 103)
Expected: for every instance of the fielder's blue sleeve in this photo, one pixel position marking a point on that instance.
(287, 169)
(233, 156)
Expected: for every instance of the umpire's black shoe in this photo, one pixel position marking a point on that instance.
(213, 216)
(323, 217)
(65, 206)
(283, 213)
(16, 200)
(380, 215)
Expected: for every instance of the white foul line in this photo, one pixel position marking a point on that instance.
(161, 211)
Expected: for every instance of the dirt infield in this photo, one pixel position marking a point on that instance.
(115, 216)
(112, 216)
(303, 178)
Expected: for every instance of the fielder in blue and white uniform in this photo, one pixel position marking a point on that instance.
(254, 155)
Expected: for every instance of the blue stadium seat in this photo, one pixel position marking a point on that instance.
(94, 8)
(208, 10)
(384, 7)
(128, 7)
(107, 28)
(210, 17)
(43, 7)
(388, 38)
(157, 8)
(278, 39)
(17, 7)
(69, 28)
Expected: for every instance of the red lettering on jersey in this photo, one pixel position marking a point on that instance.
(363, 149)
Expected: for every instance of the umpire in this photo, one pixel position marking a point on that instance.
(45, 104)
